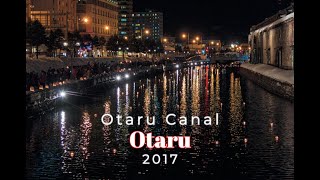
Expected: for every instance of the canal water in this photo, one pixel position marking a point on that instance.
(253, 140)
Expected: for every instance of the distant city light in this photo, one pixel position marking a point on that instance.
(177, 65)
(127, 76)
(118, 78)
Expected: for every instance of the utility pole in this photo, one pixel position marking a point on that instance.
(67, 25)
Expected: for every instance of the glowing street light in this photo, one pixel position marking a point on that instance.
(186, 36)
(197, 38)
(212, 42)
(118, 78)
(217, 44)
(165, 40)
(193, 41)
(65, 44)
(147, 31)
(127, 76)
(63, 94)
(126, 38)
(107, 27)
(85, 20)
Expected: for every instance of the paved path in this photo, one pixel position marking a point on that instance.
(271, 71)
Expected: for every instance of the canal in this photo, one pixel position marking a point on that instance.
(254, 138)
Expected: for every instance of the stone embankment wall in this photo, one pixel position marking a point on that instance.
(273, 79)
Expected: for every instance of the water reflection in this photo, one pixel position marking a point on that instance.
(73, 143)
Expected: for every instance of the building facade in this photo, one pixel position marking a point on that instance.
(148, 24)
(125, 17)
(272, 41)
(55, 14)
(97, 17)
(28, 10)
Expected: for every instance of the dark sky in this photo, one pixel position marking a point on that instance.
(228, 20)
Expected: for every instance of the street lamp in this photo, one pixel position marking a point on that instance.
(184, 36)
(197, 38)
(165, 40)
(145, 31)
(65, 44)
(126, 38)
(86, 20)
(193, 41)
(107, 29)
(212, 42)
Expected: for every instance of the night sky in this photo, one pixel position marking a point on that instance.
(228, 20)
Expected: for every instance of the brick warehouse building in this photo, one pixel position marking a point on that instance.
(272, 41)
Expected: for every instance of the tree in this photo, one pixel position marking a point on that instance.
(50, 43)
(87, 38)
(102, 41)
(74, 40)
(35, 34)
(113, 43)
(54, 41)
(95, 41)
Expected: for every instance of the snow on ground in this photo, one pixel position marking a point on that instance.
(281, 75)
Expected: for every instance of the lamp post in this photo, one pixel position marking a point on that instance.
(184, 36)
(147, 32)
(107, 29)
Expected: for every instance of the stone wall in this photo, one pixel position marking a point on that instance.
(272, 85)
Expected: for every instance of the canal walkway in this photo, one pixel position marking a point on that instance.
(282, 75)
(275, 80)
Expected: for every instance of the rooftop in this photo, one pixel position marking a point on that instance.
(280, 14)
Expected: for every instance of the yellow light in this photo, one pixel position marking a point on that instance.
(126, 38)
(217, 44)
(197, 38)
(147, 31)
(165, 40)
(194, 41)
(249, 48)
(212, 42)
(184, 35)
(85, 20)
(107, 27)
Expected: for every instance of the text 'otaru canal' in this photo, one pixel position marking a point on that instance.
(138, 139)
